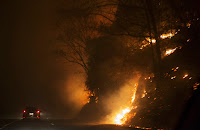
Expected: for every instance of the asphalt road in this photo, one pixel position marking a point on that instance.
(58, 125)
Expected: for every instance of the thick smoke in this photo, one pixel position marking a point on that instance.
(75, 92)
(71, 89)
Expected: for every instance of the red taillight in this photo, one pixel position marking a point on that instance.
(38, 111)
(23, 117)
(24, 111)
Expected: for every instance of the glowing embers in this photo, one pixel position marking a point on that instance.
(91, 93)
(188, 25)
(185, 76)
(175, 69)
(147, 42)
(144, 94)
(195, 86)
(173, 77)
(151, 40)
(92, 97)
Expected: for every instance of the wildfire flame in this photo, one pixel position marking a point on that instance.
(122, 116)
(149, 41)
(170, 51)
(162, 36)
(168, 35)
(134, 92)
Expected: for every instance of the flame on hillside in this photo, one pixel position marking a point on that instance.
(122, 117)
(120, 103)
(170, 51)
(148, 40)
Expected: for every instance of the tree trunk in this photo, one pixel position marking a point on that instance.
(157, 59)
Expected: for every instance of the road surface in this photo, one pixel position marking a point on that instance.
(58, 125)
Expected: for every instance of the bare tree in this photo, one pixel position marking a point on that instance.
(74, 36)
(79, 23)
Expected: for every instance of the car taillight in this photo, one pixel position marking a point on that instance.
(24, 111)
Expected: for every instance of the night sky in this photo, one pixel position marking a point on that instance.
(28, 70)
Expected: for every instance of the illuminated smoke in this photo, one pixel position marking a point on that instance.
(75, 93)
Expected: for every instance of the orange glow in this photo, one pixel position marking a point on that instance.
(151, 40)
(134, 92)
(186, 75)
(175, 69)
(173, 77)
(144, 94)
(195, 86)
(137, 127)
(170, 51)
(123, 115)
(188, 25)
(91, 93)
(145, 45)
(162, 36)
(147, 42)
(168, 35)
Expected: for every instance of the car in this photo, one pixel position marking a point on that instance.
(31, 113)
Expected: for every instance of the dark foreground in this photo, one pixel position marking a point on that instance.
(58, 125)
